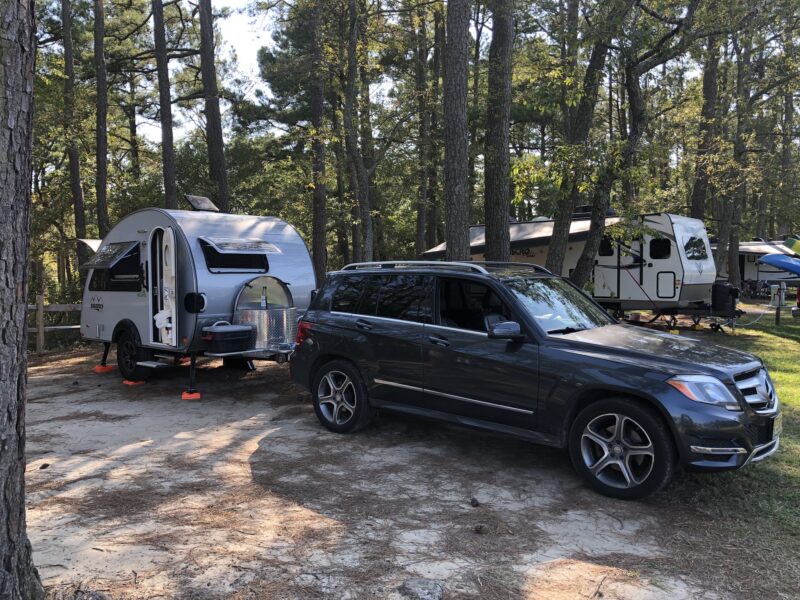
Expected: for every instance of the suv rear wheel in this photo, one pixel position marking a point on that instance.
(622, 448)
(340, 397)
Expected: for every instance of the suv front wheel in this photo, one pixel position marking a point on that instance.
(622, 448)
(340, 397)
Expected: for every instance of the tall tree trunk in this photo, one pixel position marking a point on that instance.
(424, 116)
(475, 96)
(788, 176)
(432, 220)
(456, 131)
(707, 129)
(498, 115)
(70, 131)
(359, 180)
(133, 133)
(343, 204)
(18, 576)
(319, 250)
(101, 133)
(164, 106)
(214, 140)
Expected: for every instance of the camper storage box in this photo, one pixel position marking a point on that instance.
(266, 304)
(224, 338)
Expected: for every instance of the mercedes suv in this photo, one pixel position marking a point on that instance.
(513, 348)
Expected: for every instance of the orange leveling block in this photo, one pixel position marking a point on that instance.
(129, 382)
(187, 395)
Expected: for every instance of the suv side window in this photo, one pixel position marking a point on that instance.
(466, 304)
(398, 296)
(347, 294)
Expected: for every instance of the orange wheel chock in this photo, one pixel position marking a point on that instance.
(103, 368)
(190, 396)
(129, 382)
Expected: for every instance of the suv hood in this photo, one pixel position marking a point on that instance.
(664, 351)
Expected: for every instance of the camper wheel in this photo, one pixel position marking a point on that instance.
(128, 354)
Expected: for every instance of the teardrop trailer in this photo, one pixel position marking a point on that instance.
(168, 284)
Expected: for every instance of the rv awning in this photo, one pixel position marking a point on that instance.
(240, 246)
(109, 255)
(762, 248)
(531, 233)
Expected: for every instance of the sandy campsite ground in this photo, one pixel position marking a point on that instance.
(137, 494)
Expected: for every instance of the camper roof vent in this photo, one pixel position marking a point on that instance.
(201, 203)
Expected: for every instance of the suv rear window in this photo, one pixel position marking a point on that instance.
(397, 296)
(347, 294)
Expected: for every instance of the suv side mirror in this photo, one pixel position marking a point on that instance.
(505, 330)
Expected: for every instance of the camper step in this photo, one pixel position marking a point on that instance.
(152, 364)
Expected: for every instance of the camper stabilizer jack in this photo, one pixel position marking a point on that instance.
(192, 393)
(103, 367)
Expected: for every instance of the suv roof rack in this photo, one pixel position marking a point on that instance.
(412, 264)
(473, 266)
(513, 265)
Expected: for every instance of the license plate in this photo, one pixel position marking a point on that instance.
(777, 426)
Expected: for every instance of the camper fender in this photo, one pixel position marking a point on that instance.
(123, 326)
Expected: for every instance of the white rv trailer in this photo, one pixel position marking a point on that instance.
(750, 269)
(171, 283)
(669, 269)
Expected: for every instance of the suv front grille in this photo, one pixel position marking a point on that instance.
(757, 389)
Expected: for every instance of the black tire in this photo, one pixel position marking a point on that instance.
(627, 462)
(340, 397)
(128, 354)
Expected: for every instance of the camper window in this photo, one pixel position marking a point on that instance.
(124, 275)
(264, 292)
(660, 248)
(606, 247)
(231, 262)
(695, 249)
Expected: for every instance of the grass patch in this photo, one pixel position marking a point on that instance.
(740, 531)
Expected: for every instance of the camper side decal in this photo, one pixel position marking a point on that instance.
(96, 303)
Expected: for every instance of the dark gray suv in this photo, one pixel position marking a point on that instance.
(515, 349)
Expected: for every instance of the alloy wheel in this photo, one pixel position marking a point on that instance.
(336, 396)
(617, 450)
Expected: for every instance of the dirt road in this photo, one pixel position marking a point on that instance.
(138, 494)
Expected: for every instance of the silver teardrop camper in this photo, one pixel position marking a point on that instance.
(168, 283)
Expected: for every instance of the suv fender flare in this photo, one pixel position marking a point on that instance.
(590, 396)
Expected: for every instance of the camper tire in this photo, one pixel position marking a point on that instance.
(340, 397)
(129, 352)
(622, 448)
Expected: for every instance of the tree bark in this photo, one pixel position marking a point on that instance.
(423, 139)
(789, 177)
(70, 131)
(101, 133)
(319, 247)
(475, 96)
(359, 179)
(498, 116)
(432, 220)
(214, 140)
(165, 106)
(133, 134)
(707, 129)
(18, 576)
(456, 131)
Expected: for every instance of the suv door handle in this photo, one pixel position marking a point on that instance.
(364, 325)
(438, 340)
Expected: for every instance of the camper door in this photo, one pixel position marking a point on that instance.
(163, 290)
(606, 270)
(662, 268)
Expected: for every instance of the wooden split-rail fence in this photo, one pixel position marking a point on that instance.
(40, 329)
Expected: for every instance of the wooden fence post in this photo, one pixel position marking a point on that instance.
(40, 324)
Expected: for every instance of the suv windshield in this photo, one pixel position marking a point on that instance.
(556, 305)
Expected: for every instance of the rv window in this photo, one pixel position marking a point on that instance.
(347, 294)
(267, 290)
(660, 248)
(695, 249)
(124, 276)
(606, 247)
(229, 262)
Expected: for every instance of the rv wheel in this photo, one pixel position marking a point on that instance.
(128, 354)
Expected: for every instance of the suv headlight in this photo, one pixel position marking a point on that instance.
(704, 388)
